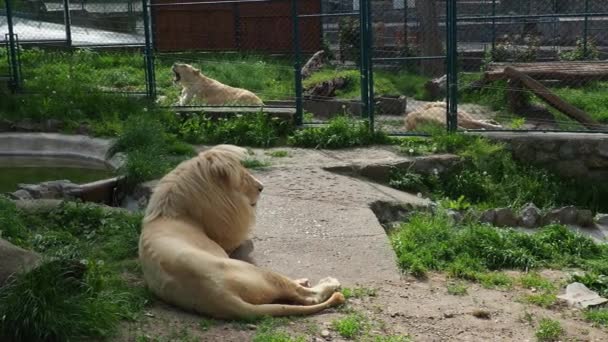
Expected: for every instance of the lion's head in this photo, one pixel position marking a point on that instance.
(213, 190)
(184, 72)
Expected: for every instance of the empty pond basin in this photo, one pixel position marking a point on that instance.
(33, 170)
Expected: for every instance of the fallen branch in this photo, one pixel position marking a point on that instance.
(551, 99)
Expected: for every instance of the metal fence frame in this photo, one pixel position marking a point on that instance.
(367, 59)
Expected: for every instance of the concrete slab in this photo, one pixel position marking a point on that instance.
(314, 223)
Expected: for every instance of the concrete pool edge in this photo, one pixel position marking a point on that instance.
(58, 145)
(66, 148)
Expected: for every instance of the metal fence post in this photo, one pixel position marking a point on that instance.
(15, 83)
(297, 63)
(370, 68)
(148, 53)
(67, 19)
(493, 26)
(363, 51)
(452, 65)
(586, 31)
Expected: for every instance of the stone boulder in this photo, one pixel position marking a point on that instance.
(505, 217)
(14, 260)
(530, 216)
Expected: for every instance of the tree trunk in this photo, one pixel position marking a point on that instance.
(430, 39)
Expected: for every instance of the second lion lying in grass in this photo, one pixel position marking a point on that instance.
(214, 93)
(198, 214)
(434, 113)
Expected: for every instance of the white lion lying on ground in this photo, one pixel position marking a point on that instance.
(434, 113)
(198, 214)
(212, 92)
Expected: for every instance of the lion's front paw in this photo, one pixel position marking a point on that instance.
(330, 282)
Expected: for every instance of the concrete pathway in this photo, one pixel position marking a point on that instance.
(314, 223)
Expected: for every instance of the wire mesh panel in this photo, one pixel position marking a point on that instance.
(105, 22)
(228, 53)
(409, 44)
(332, 75)
(533, 64)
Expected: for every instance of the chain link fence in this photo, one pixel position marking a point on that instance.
(533, 65)
(401, 64)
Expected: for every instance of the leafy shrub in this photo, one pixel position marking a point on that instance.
(466, 251)
(580, 53)
(256, 130)
(151, 151)
(340, 132)
(78, 292)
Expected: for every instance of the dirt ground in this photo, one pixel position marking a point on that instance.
(420, 309)
(314, 223)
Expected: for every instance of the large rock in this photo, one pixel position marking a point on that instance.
(564, 215)
(56, 189)
(584, 218)
(530, 216)
(505, 218)
(14, 259)
(579, 296)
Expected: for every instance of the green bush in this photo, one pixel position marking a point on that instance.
(255, 130)
(466, 251)
(78, 292)
(340, 132)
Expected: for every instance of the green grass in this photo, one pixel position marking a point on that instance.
(79, 291)
(396, 338)
(252, 163)
(268, 331)
(544, 300)
(598, 317)
(385, 83)
(534, 280)
(493, 280)
(205, 324)
(549, 330)
(589, 97)
(350, 326)
(256, 130)
(151, 151)
(340, 132)
(470, 250)
(358, 292)
(489, 177)
(457, 289)
(278, 154)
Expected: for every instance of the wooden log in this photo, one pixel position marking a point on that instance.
(436, 87)
(316, 62)
(327, 88)
(551, 99)
(572, 73)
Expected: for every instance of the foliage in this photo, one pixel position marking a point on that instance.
(398, 82)
(581, 52)
(151, 151)
(470, 250)
(340, 132)
(78, 291)
(350, 326)
(599, 317)
(513, 49)
(549, 330)
(256, 130)
(490, 177)
(349, 40)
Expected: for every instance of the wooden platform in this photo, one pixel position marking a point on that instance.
(574, 72)
(284, 113)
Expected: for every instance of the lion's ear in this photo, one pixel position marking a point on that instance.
(216, 167)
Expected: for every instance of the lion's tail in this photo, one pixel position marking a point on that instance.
(248, 310)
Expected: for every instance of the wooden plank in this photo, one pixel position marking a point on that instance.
(551, 99)
(564, 71)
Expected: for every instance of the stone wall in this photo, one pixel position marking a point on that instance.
(577, 155)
